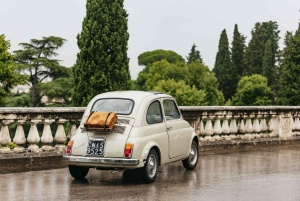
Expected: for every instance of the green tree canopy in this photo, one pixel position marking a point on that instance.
(59, 90)
(148, 58)
(9, 75)
(36, 61)
(289, 91)
(184, 94)
(102, 63)
(252, 90)
(194, 77)
(194, 55)
(223, 66)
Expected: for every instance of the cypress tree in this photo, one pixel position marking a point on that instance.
(237, 58)
(289, 91)
(102, 63)
(194, 55)
(254, 53)
(222, 67)
(268, 65)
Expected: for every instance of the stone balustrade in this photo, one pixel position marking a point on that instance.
(243, 123)
(212, 123)
(33, 116)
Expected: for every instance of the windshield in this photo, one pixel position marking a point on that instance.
(119, 106)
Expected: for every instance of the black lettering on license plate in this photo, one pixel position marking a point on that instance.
(95, 148)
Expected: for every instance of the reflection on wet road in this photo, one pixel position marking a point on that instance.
(264, 174)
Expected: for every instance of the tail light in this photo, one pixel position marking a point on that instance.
(128, 150)
(69, 147)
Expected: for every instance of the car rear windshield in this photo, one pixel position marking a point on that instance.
(117, 105)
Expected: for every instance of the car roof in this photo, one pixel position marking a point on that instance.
(134, 95)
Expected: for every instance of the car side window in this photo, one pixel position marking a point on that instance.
(171, 110)
(154, 114)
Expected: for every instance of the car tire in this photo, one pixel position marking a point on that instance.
(148, 173)
(78, 172)
(191, 161)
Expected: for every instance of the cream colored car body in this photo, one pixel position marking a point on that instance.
(171, 138)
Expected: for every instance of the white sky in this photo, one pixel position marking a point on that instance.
(153, 24)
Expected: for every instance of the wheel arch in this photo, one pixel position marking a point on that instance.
(158, 153)
(196, 139)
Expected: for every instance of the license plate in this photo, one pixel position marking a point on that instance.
(95, 148)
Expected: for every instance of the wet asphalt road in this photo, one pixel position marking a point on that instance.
(264, 174)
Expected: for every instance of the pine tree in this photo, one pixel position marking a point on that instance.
(289, 91)
(36, 59)
(237, 58)
(222, 67)
(194, 55)
(102, 63)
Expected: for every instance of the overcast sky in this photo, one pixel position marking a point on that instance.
(153, 24)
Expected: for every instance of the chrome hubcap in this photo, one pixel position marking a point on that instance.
(193, 155)
(151, 167)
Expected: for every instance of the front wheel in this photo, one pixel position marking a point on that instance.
(191, 162)
(148, 173)
(78, 172)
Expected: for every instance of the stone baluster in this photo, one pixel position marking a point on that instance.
(5, 137)
(263, 127)
(209, 130)
(256, 127)
(249, 128)
(60, 136)
(241, 127)
(297, 124)
(19, 138)
(225, 128)
(233, 128)
(73, 128)
(201, 130)
(271, 126)
(47, 137)
(33, 136)
(217, 129)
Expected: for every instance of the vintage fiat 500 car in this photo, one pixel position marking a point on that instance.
(149, 132)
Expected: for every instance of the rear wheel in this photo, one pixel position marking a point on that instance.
(191, 162)
(148, 173)
(78, 172)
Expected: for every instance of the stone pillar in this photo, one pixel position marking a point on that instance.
(5, 137)
(47, 138)
(60, 136)
(19, 138)
(33, 136)
(285, 125)
(209, 129)
(217, 129)
(249, 128)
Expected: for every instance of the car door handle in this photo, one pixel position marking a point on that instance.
(169, 127)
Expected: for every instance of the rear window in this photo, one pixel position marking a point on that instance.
(117, 105)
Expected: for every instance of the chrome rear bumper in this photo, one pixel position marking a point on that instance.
(99, 161)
